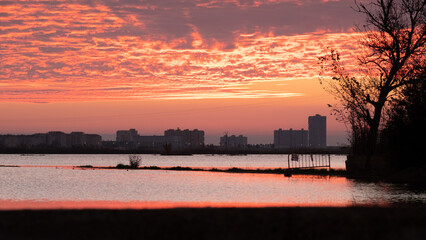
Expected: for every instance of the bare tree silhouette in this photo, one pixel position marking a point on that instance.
(394, 37)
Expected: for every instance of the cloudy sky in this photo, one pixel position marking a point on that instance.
(245, 67)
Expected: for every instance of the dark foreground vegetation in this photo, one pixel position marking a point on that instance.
(398, 222)
(384, 101)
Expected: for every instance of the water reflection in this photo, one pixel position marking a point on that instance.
(50, 187)
(45, 204)
(208, 161)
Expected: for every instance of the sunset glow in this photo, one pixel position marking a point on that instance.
(154, 51)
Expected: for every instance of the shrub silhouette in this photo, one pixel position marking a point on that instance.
(134, 161)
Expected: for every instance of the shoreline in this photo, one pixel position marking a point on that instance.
(324, 172)
(282, 171)
(295, 171)
(397, 178)
(199, 151)
(395, 222)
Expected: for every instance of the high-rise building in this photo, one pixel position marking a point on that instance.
(56, 139)
(76, 139)
(186, 138)
(233, 141)
(127, 135)
(93, 140)
(317, 131)
(151, 142)
(290, 138)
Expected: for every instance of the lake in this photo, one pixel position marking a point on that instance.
(207, 161)
(49, 181)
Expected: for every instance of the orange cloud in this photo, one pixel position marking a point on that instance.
(77, 52)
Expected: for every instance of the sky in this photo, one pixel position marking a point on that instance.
(236, 66)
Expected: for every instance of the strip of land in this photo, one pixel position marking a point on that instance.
(296, 171)
(396, 222)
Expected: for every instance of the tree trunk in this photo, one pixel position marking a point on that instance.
(373, 132)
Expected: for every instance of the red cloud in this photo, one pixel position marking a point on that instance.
(78, 52)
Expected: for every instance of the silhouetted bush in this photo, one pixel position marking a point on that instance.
(122, 166)
(134, 161)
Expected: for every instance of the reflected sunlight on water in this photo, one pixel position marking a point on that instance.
(51, 187)
(224, 161)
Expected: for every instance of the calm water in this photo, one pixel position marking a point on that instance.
(41, 185)
(218, 161)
